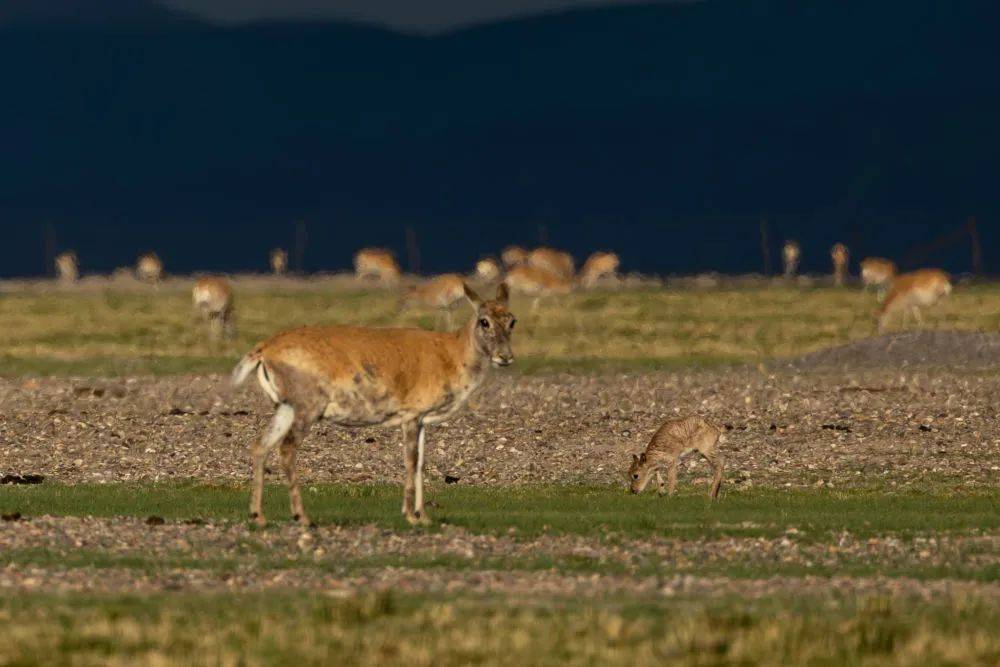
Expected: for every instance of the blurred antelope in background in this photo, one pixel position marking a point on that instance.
(840, 257)
(377, 263)
(213, 301)
(912, 291)
(67, 267)
(442, 293)
(149, 268)
(790, 253)
(555, 262)
(671, 441)
(513, 256)
(359, 376)
(279, 262)
(536, 282)
(599, 265)
(487, 269)
(879, 273)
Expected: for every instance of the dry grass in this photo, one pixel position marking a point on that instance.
(125, 329)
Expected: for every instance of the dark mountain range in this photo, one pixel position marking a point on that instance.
(667, 131)
(81, 13)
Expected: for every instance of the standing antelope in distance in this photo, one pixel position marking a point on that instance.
(879, 273)
(513, 255)
(671, 441)
(67, 267)
(213, 301)
(279, 262)
(840, 257)
(599, 265)
(359, 376)
(149, 268)
(442, 293)
(554, 261)
(533, 281)
(377, 263)
(912, 291)
(487, 269)
(790, 253)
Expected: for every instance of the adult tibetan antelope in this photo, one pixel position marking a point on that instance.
(377, 263)
(513, 255)
(912, 291)
(877, 272)
(487, 269)
(599, 265)
(442, 293)
(357, 376)
(840, 257)
(213, 302)
(554, 261)
(67, 267)
(279, 262)
(149, 268)
(790, 253)
(533, 281)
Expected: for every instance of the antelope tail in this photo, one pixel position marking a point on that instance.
(247, 365)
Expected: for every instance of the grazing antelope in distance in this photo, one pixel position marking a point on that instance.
(840, 257)
(912, 291)
(149, 268)
(213, 301)
(67, 267)
(599, 265)
(513, 255)
(360, 376)
(790, 253)
(533, 281)
(443, 293)
(554, 261)
(279, 262)
(671, 441)
(377, 263)
(877, 272)
(487, 269)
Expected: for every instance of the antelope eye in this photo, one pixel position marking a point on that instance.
(512, 323)
(484, 323)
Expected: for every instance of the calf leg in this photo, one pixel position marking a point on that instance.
(672, 476)
(281, 423)
(661, 489)
(717, 464)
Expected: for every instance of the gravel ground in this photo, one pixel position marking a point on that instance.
(789, 428)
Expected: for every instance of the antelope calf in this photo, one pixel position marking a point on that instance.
(877, 272)
(487, 269)
(840, 257)
(554, 261)
(149, 268)
(599, 265)
(213, 301)
(442, 293)
(279, 262)
(912, 291)
(791, 253)
(671, 441)
(513, 255)
(67, 267)
(359, 376)
(377, 263)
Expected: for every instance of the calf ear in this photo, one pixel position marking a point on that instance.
(642, 457)
(472, 296)
(635, 458)
(503, 294)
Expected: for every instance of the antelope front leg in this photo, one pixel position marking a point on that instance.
(672, 477)
(661, 489)
(411, 455)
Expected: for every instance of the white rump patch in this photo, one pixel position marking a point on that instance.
(267, 384)
(281, 424)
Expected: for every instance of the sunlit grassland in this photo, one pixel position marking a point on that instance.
(153, 331)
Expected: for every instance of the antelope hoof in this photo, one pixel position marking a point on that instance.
(258, 519)
(303, 521)
(418, 519)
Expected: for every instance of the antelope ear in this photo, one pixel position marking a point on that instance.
(472, 296)
(503, 294)
(635, 458)
(642, 457)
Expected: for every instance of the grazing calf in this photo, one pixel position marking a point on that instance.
(597, 266)
(149, 268)
(554, 261)
(791, 254)
(840, 257)
(67, 267)
(669, 443)
(377, 263)
(360, 376)
(487, 269)
(279, 262)
(879, 273)
(442, 293)
(513, 255)
(912, 291)
(213, 301)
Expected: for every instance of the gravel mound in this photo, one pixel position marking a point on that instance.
(952, 349)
